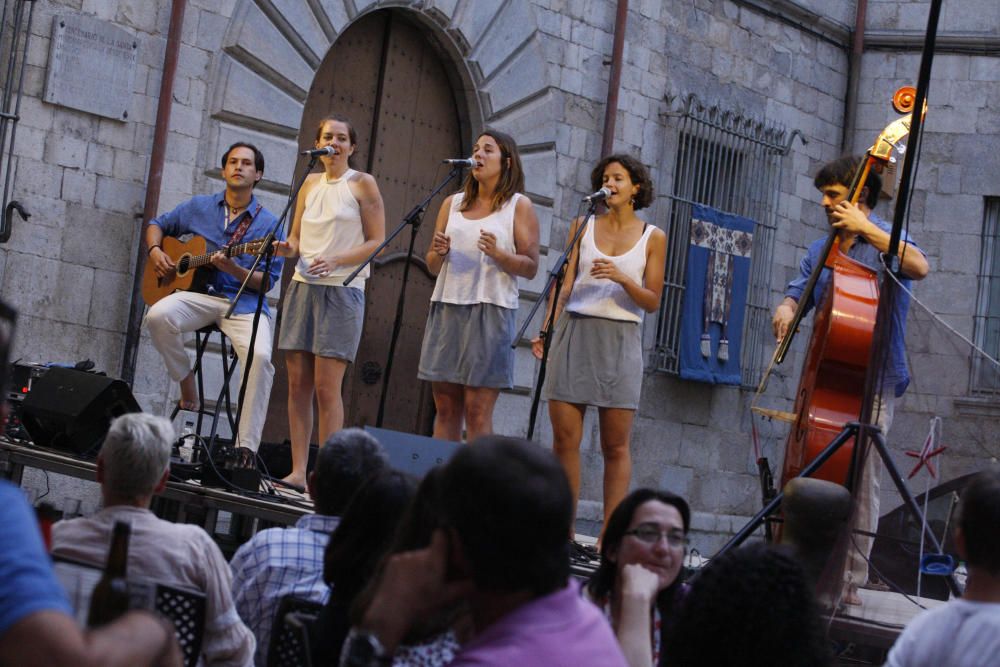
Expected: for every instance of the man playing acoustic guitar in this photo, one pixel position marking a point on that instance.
(224, 220)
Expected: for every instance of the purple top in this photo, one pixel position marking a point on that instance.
(561, 628)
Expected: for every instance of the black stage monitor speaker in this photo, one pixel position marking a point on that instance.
(71, 409)
(277, 458)
(414, 454)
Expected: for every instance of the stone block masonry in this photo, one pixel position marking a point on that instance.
(538, 69)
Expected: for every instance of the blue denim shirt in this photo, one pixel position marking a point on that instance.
(896, 374)
(205, 216)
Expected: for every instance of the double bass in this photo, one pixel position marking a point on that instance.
(831, 388)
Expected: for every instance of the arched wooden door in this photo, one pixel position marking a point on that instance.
(386, 76)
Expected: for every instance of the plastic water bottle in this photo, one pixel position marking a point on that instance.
(188, 436)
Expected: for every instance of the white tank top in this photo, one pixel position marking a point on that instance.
(467, 275)
(331, 224)
(600, 297)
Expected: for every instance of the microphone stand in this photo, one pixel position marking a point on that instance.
(556, 274)
(266, 253)
(413, 219)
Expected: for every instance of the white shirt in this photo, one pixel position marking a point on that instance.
(958, 634)
(600, 297)
(170, 553)
(467, 275)
(330, 225)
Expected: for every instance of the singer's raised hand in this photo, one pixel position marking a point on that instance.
(488, 243)
(285, 248)
(441, 244)
(605, 268)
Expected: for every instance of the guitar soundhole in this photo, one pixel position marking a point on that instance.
(183, 264)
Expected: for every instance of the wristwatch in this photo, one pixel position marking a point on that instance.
(363, 649)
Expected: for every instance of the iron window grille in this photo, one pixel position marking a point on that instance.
(733, 163)
(986, 328)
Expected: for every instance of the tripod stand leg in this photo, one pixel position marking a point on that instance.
(850, 431)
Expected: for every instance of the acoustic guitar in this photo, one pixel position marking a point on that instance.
(188, 256)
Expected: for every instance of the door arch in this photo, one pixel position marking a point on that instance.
(392, 82)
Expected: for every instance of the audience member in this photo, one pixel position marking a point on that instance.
(750, 606)
(434, 640)
(966, 631)
(132, 466)
(278, 562)
(354, 552)
(37, 628)
(507, 511)
(637, 583)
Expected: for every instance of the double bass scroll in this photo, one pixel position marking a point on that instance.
(831, 387)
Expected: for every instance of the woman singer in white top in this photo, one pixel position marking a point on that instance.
(485, 238)
(339, 221)
(614, 276)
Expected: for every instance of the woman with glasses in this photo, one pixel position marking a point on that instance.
(637, 583)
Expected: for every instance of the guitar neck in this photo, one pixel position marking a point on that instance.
(231, 251)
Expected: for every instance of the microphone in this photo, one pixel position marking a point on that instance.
(460, 162)
(600, 195)
(319, 152)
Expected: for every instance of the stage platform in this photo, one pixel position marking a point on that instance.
(184, 501)
(862, 632)
(872, 627)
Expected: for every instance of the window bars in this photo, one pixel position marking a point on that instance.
(733, 163)
(985, 379)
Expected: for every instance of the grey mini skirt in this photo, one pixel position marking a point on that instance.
(469, 345)
(325, 320)
(595, 361)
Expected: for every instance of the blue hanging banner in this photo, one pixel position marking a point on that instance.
(715, 295)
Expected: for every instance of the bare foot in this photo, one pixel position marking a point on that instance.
(875, 585)
(189, 393)
(851, 595)
(296, 480)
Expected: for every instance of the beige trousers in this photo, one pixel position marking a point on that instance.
(868, 497)
(181, 312)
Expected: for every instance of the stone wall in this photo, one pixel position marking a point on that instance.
(539, 70)
(957, 171)
(690, 437)
(68, 270)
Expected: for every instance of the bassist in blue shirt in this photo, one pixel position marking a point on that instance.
(863, 236)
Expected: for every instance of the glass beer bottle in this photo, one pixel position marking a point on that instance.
(110, 597)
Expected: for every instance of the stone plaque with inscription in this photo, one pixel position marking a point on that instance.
(91, 66)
